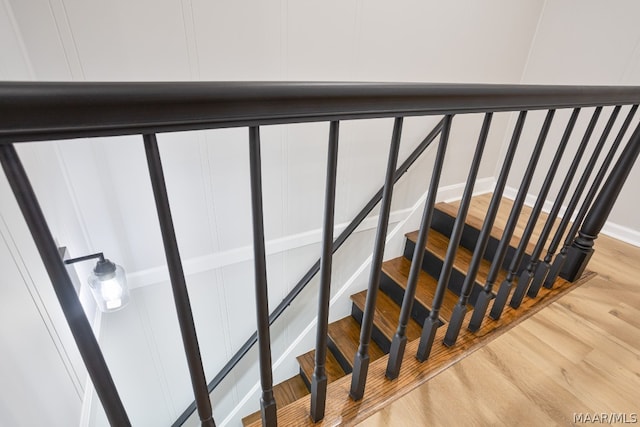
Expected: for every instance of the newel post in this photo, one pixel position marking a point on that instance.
(580, 251)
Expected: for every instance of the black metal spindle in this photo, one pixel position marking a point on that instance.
(267, 401)
(505, 286)
(527, 274)
(314, 269)
(587, 201)
(542, 268)
(581, 250)
(482, 303)
(460, 309)
(432, 322)
(65, 292)
(595, 185)
(178, 282)
(319, 377)
(573, 203)
(399, 341)
(602, 172)
(514, 216)
(361, 359)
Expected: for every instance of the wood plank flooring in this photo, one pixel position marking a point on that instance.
(579, 355)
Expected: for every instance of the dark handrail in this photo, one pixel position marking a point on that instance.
(310, 274)
(38, 111)
(35, 111)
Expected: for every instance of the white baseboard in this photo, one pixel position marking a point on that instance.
(451, 193)
(610, 229)
(216, 260)
(620, 232)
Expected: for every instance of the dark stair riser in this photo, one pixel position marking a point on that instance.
(443, 223)
(432, 265)
(344, 363)
(419, 312)
(376, 335)
(307, 381)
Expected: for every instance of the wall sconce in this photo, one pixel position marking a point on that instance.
(107, 282)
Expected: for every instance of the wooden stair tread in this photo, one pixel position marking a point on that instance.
(398, 270)
(477, 212)
(345, 334)
(475, 218)
(307, 364)
(386, 315)
(284, 393)
(437, 244)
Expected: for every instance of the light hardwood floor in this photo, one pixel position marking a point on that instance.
(579, 355)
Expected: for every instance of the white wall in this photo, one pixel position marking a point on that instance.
(43, 378)
(591, 43)
(100, 198)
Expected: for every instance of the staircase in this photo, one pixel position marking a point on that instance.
(90, 110)
(344, 333)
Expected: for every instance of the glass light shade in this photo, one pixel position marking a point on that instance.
(109, 286)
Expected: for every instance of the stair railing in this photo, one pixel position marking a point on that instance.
(50, 111)
(315, 269)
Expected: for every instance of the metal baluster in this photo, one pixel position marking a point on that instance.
(573, 203)
(505, 287)
(581, 250)
(460, 310)
(586, 204)
(319, 378)
(63, 287)
(482, 303)
(590, 195)
(267, 401)
(501, 251)
(432, 322)
(178, 283)
(543, 268)
(361, 359)
(399, 342)
(314, 269)
(527, 274)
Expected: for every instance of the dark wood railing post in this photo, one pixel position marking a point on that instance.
(361, 359)
(267, 401)
(560, 259)
(319, 378)
(65, 292)
(178, 282)
(543, 267)
(581, 250)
